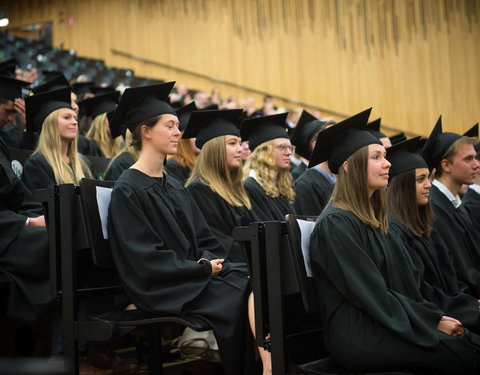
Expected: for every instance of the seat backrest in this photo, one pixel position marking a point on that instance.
(299, 229)
(95, 198)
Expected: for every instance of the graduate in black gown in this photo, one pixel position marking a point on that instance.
(56, 159)
(181, 164)
(314, 186)
(216, 181)
(12, 110)
(268, 181)
(167, 257)
(471, 200)
(23, 240)
(453, 158)
(373, 315)
(127, 157)
(411, 218)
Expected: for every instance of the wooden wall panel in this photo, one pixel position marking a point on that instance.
(411, 60)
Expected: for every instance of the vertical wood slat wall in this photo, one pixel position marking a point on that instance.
(411, 60)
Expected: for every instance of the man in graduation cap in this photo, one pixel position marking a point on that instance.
(453, 158)
(471, 200)
(315, 185)
(23, 237)
(12, 111)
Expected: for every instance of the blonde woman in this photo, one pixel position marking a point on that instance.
(56, 159)
(97, 108)
(216, 181)
(268, 181)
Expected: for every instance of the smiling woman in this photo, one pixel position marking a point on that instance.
(56, 159)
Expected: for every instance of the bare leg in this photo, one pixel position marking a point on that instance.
(265, 355)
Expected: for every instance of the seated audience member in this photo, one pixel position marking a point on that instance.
(181, 164)
(98, 108)
(374, 128)
(373, 315)
(315, 185)
(12, 111)
(23, 240)
(472, 199)
(56, 159)
(216, 183)
(166, 255)
(268, 181)
(410, 219)
(453, 158)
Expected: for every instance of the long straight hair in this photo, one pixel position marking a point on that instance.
(351, 192)
(98, 133)
(402, 203)
(275, 182)
(212, 170)
(49, 145)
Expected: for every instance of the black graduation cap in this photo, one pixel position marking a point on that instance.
(473, 133)
(437, 144)
(142, 103)
(99, 90)
(39, 106)
(397, 138)
(101, 104)
(302, 135)
(59, 82)
(82, 87)
(11, 88)
(7, 68)
(374, 128)
(258, 130)
(184, 114)
(48, 75)
(338, 142)
(404, 157)
(205, 125)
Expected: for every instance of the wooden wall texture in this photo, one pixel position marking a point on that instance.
(411, 60)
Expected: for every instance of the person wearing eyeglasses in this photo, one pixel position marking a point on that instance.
(267, 177)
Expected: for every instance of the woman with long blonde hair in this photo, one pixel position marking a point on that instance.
(56, 159)
(99, 132)
(373, 314)
(124, 160)
(267, 177)
(216, 181)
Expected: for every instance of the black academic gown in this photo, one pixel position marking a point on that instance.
(373, 315)
(23, 250)
(157, 234)
(471, 200)
(312, 192)
(266, 208)
(38, 174)
(437, 278)
(12, 135)
(221, 217)
(87, 146)
(297, 170)
(118, 165)
(178, 171)
(456, 229)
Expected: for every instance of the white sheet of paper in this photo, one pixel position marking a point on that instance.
(103, 201)
(306, 228)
